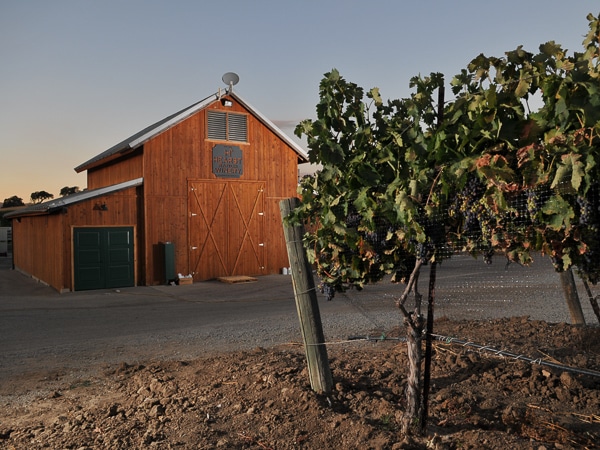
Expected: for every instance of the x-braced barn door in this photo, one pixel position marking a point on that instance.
(226, 228)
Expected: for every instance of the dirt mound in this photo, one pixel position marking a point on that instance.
(262, 400)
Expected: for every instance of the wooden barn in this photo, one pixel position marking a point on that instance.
(195, 193)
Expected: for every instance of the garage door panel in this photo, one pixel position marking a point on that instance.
(122, 237)
(119, 255)
(89, 256)
(88, 239)
(91, 275)
(119, 276)
(103, 258)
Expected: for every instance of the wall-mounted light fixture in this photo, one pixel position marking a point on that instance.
(227, 103)
(100, 207)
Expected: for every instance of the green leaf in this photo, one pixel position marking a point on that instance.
(336, 200)
(578, 171)
(571, 172)
(361, 200)
(562, 175)
(566, 261)
(559, 213)
(413, 187)
(551, 49)
(329, 217)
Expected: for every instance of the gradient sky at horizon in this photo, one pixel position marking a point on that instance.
(78, 76)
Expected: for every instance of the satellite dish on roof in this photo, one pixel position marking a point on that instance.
(230, 79)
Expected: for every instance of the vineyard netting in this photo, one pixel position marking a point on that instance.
(474, 281)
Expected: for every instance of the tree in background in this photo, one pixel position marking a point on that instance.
(40, 196)
(65, 191)
(12, 201)
(408, 182)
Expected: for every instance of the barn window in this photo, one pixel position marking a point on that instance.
(226, 126)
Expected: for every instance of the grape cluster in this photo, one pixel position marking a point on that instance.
(534, 202)
(587, 214)
(328, 290)
(471, 223)
(557, 263)
(466, 207)
(423, 251)
(588, 262)
(487, 255)
(353, 219)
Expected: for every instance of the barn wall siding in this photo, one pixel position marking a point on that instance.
(128, 168)
(38, 245)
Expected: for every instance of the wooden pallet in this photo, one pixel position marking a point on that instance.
(237, 279)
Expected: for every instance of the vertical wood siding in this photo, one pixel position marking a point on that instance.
(38, 248)
(128, 168)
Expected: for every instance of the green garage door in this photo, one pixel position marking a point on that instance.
(103, 258)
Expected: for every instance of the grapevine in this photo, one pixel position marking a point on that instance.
(404, 181)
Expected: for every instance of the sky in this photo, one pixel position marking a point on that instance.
(78, 76)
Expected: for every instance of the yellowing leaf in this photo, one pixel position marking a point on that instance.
(374, 94)
(522, 87)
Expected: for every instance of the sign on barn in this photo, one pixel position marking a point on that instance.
(227, 161)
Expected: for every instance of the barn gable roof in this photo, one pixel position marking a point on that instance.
(141, 137)
(51, 206)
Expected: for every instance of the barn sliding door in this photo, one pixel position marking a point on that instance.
(226, 221)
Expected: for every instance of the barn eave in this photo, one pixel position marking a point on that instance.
(57, 205)
(137, 140)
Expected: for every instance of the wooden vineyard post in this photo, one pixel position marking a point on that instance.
(306, 304)
(570, 290)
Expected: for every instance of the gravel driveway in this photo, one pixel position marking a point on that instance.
(45, 330)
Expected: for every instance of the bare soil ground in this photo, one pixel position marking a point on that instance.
(261, 399)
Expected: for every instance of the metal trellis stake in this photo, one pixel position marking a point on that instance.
(428, 346)
(430, 303)
(307, 304)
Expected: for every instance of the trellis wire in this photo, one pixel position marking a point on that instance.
(485, 348)
(507, 354)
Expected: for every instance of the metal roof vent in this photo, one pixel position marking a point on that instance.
(231, 79)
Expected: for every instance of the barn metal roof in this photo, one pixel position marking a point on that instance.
(57, 204)
(138, 139)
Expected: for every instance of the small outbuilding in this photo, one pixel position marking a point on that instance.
(196, 193)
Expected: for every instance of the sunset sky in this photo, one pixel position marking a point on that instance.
(78, 76)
